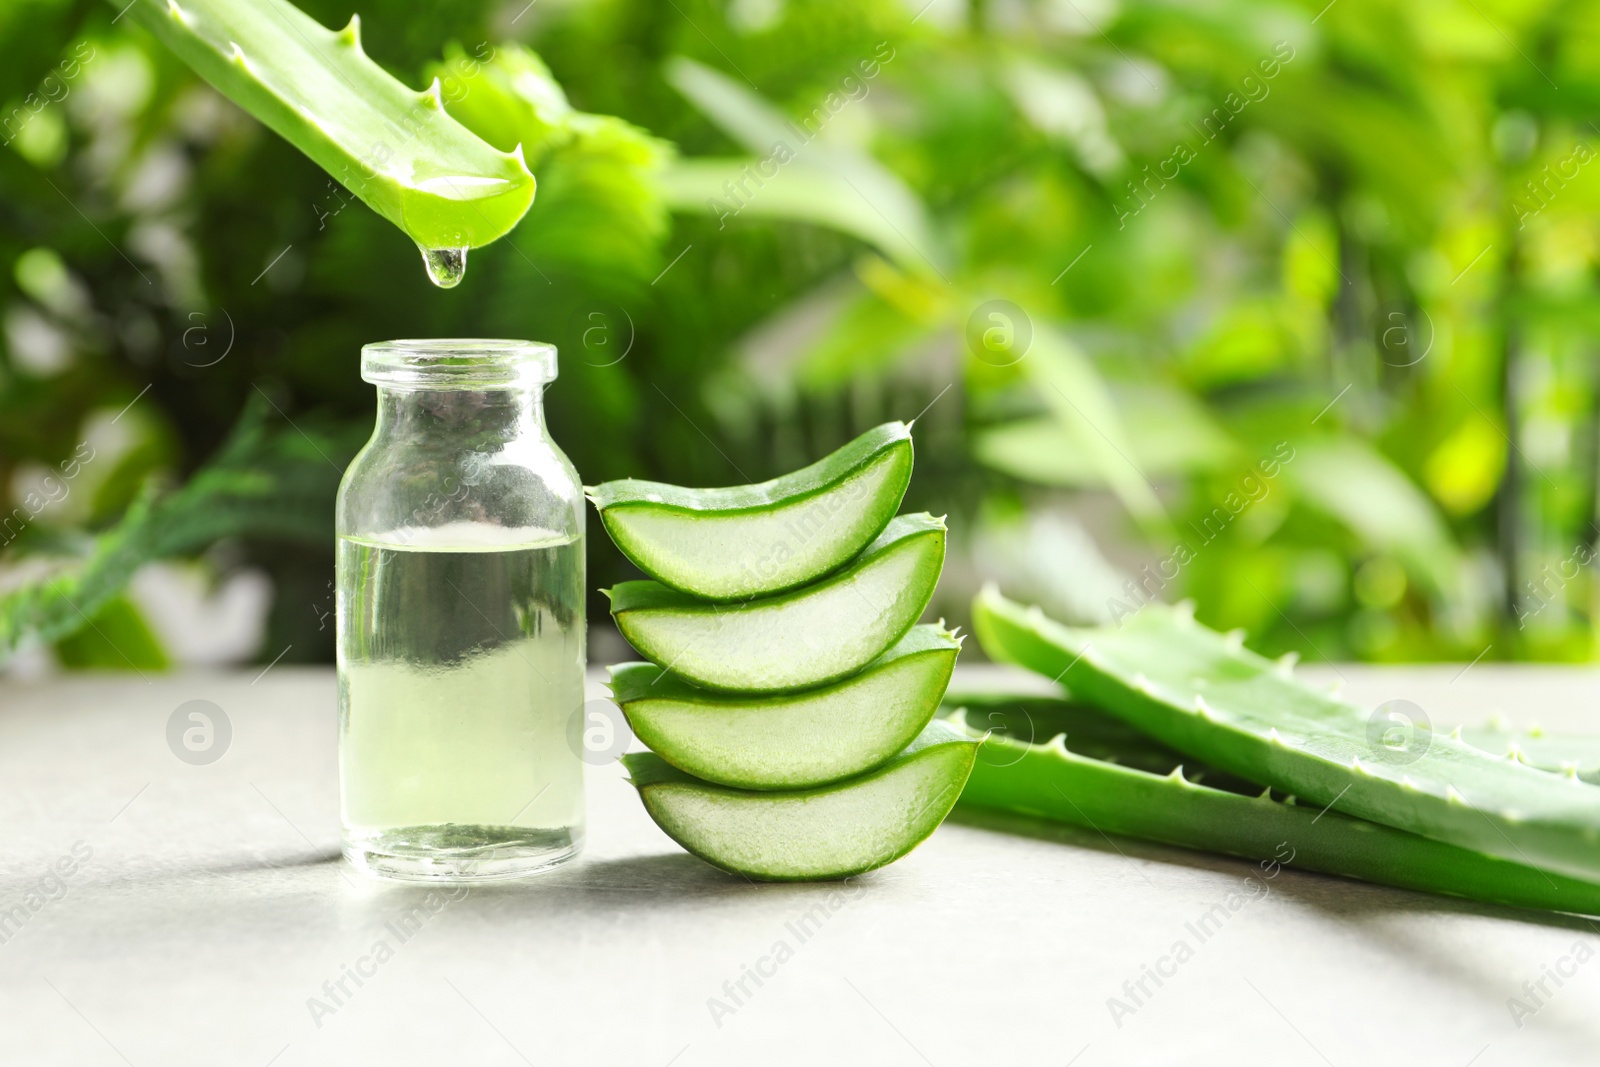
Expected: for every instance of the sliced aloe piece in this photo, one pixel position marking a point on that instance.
(832, 831)
(1051, 781)
(1202, 693)
(753, 540)
(791, 741)
(393, 147)
(794, 640)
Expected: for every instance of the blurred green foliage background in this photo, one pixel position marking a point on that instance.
(1284, 307)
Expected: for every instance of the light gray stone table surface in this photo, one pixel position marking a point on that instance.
(207, 914)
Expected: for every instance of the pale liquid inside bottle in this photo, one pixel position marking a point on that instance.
(461, 655)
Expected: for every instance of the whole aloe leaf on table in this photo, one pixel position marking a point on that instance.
(1205, 695)
(392, 146)
(1074, 764)
(1554, 752)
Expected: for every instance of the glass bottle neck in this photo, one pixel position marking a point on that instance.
(457, 417)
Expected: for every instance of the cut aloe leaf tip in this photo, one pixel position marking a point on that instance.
(791, 741)
(395, 148)
(833, 831)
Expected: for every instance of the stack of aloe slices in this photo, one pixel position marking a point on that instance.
(789, 698)
(1175, 727)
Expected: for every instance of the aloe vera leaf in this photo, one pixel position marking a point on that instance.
(1089, 731)
(1554, 752)
(832, 831)
(600, 211)
(1202, 693)
(806, 637)
(395, 148)
(754, 540)
(1052, 782)
(791, 741)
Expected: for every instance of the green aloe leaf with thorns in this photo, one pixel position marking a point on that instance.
(392, 146)
(1095, 773)
(1204, 694)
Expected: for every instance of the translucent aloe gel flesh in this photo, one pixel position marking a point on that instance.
(461, 619)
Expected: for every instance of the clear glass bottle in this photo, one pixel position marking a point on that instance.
(461, 619)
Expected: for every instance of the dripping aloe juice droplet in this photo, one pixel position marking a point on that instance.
(461, 619)
(446, 266)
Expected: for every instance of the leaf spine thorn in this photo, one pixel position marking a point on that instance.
(433, 95)
(1453, 795)
(351, 34)
(1058, 743)
(1183, 610)
(1455, 735)
(1176, 775)
(1205, 709)
(177, 12)
(1284, 667)
(1234, 639)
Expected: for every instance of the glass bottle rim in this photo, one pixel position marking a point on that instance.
(458, 363)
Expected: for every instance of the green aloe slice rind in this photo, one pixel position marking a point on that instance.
(792, 740)
(394, 147)
(807, 637)
(755, 540)
(1205, 695)
(832, 831)
(1051, 781)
